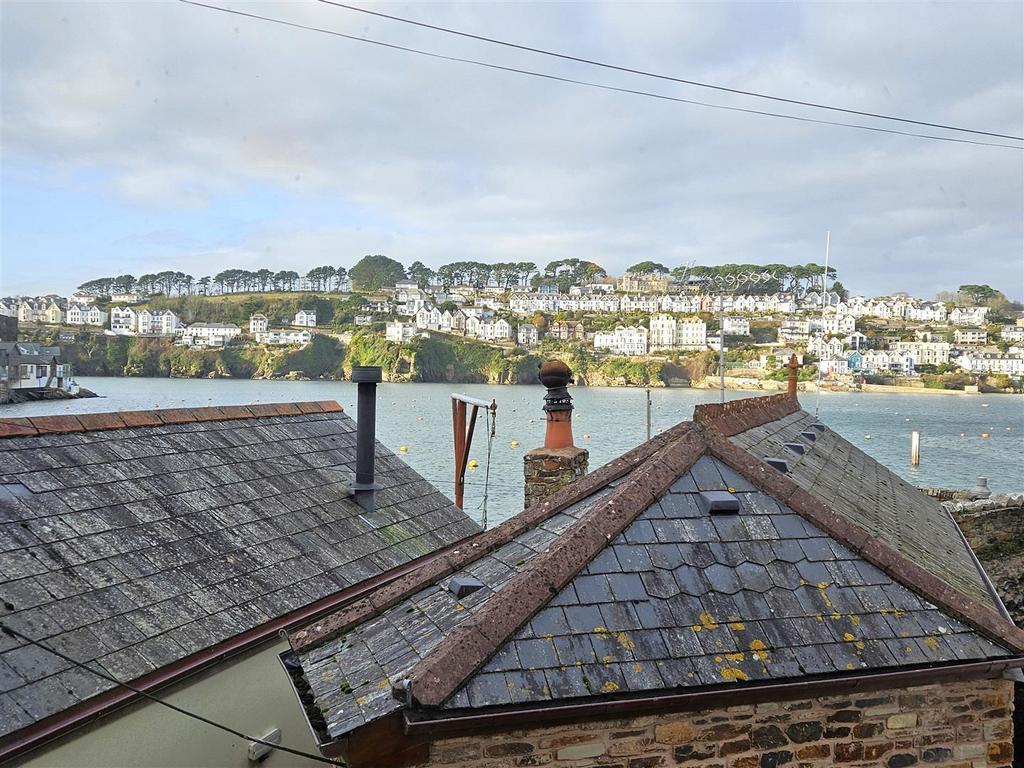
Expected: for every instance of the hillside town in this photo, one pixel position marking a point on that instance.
(840, 338)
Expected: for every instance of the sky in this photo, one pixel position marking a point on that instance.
(138, 137)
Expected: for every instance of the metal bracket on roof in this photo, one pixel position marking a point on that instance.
(797, 448)
(718, 502)
(778, 463)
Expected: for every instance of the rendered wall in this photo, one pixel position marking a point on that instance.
(250, 693)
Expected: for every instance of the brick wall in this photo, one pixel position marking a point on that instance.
(966, 725)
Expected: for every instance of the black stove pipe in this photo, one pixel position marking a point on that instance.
(367, 378)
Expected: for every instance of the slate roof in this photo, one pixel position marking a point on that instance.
(843, 476)
(631, 586)
(133, 540)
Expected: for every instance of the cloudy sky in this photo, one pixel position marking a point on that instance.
(142, 136)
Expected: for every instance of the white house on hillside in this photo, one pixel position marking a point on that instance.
(209, 334)
(305, 318)
(624, 340)
(82, 314)
(283, 336)
(527, 335)
(258, 324)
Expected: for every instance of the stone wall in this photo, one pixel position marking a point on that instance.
(966, 725)
(547, 470)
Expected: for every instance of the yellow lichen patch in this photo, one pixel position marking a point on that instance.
(719, 659)
(738, 656)
(932, 643)
(855, 620)
(899, 613)
(637, 667)
(803, 582)
(859, 645)
(849, 665)
(708, 621)
(696, 627)
(384, 684)
(460, 607)
(625, 641)
(600, 631)
(731, 673)
(606, 660)
(361, 700)
(609, 687)
(836, 616)
(849, 637)
(819, 617)
(822, 586)
(737, 625)
(758, 645)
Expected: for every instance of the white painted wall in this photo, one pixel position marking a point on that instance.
(251, 693)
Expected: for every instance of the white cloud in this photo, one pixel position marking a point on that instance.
(182, 106)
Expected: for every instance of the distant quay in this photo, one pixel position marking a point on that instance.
(36, 395)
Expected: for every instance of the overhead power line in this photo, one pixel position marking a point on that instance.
(589, 84)
(180, 710)
(684, 81)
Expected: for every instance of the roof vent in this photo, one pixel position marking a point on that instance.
(460, 586)
(819, 427)
(719, 503)
(809, 435)
(797, 448)
(778, 463)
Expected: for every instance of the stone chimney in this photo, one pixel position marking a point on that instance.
(559, 462)
(791, 381)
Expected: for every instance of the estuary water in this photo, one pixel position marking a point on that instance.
(607, 421)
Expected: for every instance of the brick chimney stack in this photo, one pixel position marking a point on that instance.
(791, 381)
(559, 462)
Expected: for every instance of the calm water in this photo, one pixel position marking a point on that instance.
(607, 421)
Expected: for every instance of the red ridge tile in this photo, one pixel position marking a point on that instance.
(17, 428)
(140, 419)
(56, 424)
(91, 421)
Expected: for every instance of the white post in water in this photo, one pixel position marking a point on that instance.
(647, 394)
(915, 448)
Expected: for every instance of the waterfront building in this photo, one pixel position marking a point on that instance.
(566, 330)
(925, 352)
(643, 283)
(305, 318)
(209, 334)
(970, 336)
(989, 362)
(399, 331)
(1012, 333)
(527, 335)
(279, 336)
(123, 320)
(735, 326)
(968, 315)
(820, 347)
(258, 324)
(624, 340)
(32, 367)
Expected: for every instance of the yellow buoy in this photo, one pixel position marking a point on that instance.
(473, 464)
(403, 449)
(867, 437)
(586, 436)
(984, 435)
(515, 443)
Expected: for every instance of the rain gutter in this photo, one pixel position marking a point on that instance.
(418, 724)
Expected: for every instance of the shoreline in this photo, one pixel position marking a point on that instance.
(763, 386)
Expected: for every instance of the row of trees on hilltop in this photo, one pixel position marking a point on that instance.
(374, 272)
